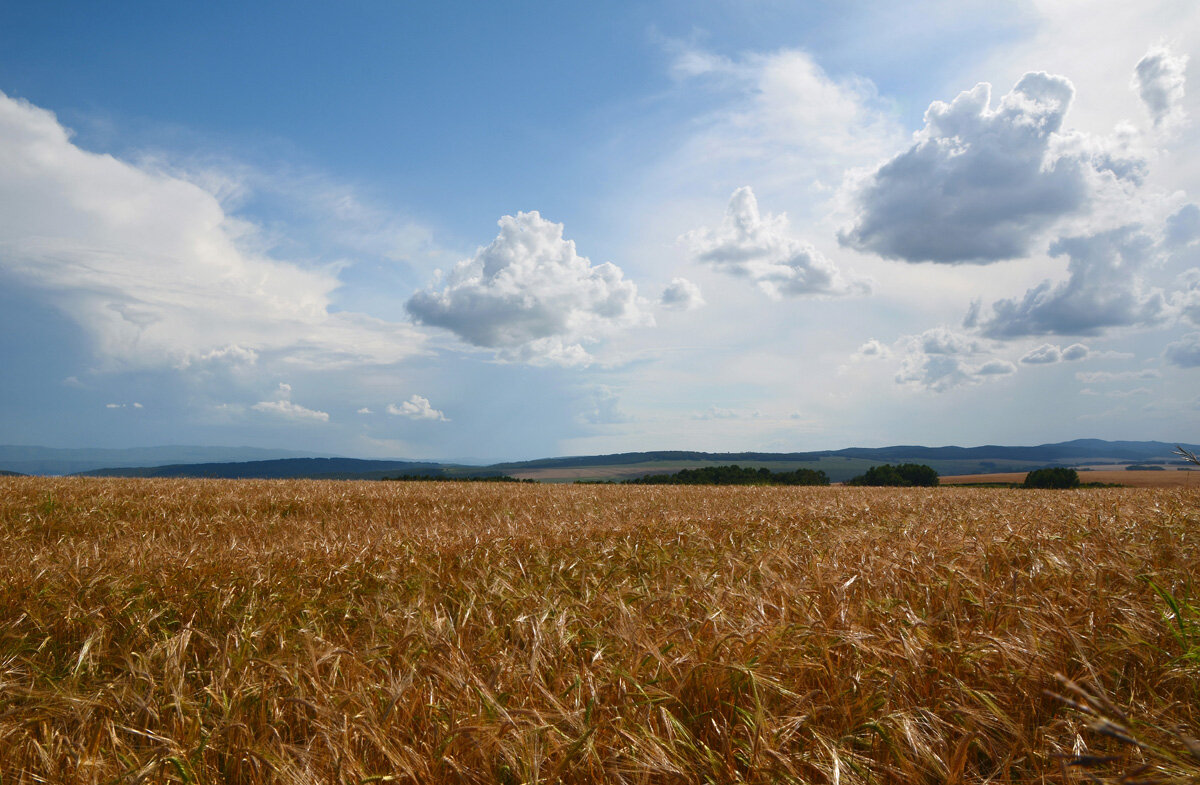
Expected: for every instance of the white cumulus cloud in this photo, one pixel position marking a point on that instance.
(531, 296)
(872, 349)
(1185, 352)
(760, 248)
(152, 267)
(604, 407)
(681, 295)
(282, 406)
(1186, 296)
(940, 359)
(1183, 226)
(1159, 79)
(1076, 351)
(1048, 354)
(1103, 290)
(417, 408)
(980, 184)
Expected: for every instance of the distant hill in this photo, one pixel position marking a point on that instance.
(286, 468)
(4, 473)
(843, 464)
(55, 460)
(839, 465)
(1077, 451)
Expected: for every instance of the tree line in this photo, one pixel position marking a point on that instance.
(734, 475)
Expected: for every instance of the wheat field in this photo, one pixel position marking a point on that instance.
(314, 632)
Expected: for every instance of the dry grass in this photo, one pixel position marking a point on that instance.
(253, 632)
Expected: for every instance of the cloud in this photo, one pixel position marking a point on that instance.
(292, 410)
(1102, 290)
(604, 408)
(996, 368)
(548, 351)
(1043, 355)
(760, 248)
(231, 355)
(1129, 393)
(720, 413)
(1183, 227)
(283, 407)
(870, 350)
(1186, 296)
(1093, 377)
(939, 359)
(1048, 353)
(681, 295)
(531, 296)
(154, 269)
(417, 408)
(134, 405)
(1185, 352)
(364, 410)
(1076, 351)
(980, 184)
(780, 121)
(1159, 79)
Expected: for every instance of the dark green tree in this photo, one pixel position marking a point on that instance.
(904, 476)
(734, 475)
(1057, 477)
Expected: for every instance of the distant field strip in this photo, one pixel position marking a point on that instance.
(1132, 479)
(310, 632)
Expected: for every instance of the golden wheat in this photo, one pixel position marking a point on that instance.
(312, 632)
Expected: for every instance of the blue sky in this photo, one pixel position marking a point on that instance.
(508, 230)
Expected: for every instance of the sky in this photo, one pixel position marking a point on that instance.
(493, 231)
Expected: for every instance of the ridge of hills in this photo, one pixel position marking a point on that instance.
(282, 468)
(838, 464)
(1077, 450)
(27, 459)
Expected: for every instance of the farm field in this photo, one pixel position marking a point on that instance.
(318, 631)
(1132, 479)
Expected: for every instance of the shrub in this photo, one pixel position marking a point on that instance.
(1058, 477)
(904, 475)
